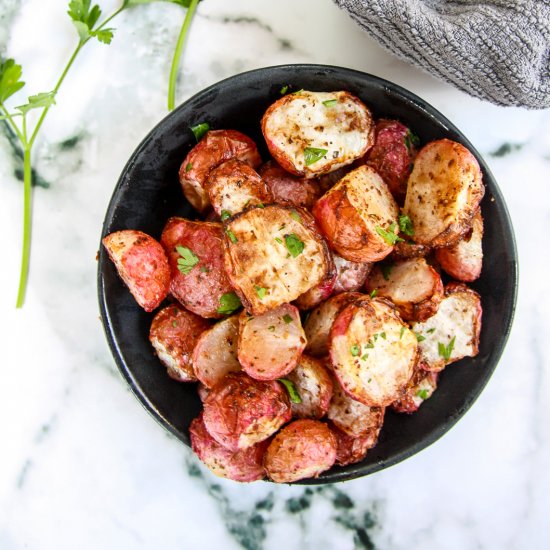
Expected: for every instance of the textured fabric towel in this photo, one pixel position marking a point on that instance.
(498, 50)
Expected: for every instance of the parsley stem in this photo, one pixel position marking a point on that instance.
(14, 126)
(177, 54)
(27, 211)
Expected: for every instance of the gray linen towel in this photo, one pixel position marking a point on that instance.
(498, 50)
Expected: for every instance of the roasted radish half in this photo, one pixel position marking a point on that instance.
(270, 344)
(233, 186)
(453, 332)
(174, 333)
(412, 285)
(195, 254)
(420, 387)
(289, 189)
(215, 147)
(215, 354)
(242, 465)
(393, 154)
(142, 264)
(464, 260)
(274, 254)
(320, 292)
(314, 387)
(352, 417)
(305, 448)
(350, 450)
(312, 133)
(372, 352)
(350, 276)
(443, 193)
(319, 322)
(359, 216)
(240, 411)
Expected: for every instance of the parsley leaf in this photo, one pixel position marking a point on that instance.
(374, 293)
(84, 17)
(287, 318)
(291, 389)
(188, 167)
(406, 225)
(284, 90)
(389, 236)
(330, 102)
(423, 394)
(411, 139)
(224, 215)
(294, 245)
(295, 216)
(199, 130)
(446, 350)
(401, 333)
(280, 241)
(383, 335)
(229, 303)
(313, 154)
(355, 350)
(260, 291)
(10, 79)
(419, 337)
(271, 328)
(364, 357)
(386, 268)
(187, 261)
(37, 101)
(431, 330)
(231, 236)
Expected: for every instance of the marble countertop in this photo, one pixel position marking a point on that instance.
(83, 465)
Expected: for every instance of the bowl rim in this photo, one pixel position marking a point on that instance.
(428, 110)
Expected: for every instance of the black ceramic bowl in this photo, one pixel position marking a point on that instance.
(148, 193)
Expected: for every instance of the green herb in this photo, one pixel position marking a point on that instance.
(294, 245)
(374, 293)
(284, 89)
(383, 335)
(313, 154)
(370, 345)
(386, 268)
(260, 205)
(229, 303)
(446, 350)
(260, 291)
(280, 241)
(419, 337)
(204, 269)
(174, 324)
(401, 333)
(291, 389)
(188, 167)
(287, 318)
(199, 130)
(389, 236)
(355, 350)
(375, 336)
(187, 261)
(282, 227)
(369, 380)
(406, 225)
(298, 91)
(411, 139)
(423, 394)
(224, 215)
(295, 216)
(271, 328)
(430, 330)
(330, 102)
(231, 236)
(365, 357)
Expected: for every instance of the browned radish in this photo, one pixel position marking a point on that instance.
(352, 417)
(304, 448)
(359, 216)
(412, 285)
(274, 254)
(372, 352)
(464, 260)
(319, 322)
(288, 189)
(453, 332)
(174, 333)
(215, 353)
(320, 292)
(314, 387)
(403, 250)
(215, 147)
(270, 344)
(351, 276)
(443, 193)
(243, 465)
(195, 254)
(240, 411)
(233, 186)
(312, 133)
(350, 450)
(142, 264)
(420, 387)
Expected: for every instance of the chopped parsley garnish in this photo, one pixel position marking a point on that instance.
(298, 91)
(406, 225)
(389, 235)
(364, 358)
(411, 139)
(431, 330)
(374, 293)
(330, 102)
(284, 89)
(224, 215)
(260, 205)
(287, 318)
(370, 345)
(313, 154)
(383, 335)
(229, 303)
(188, 167)
(199, 130)
(260, 291)
(386, 269)
(187, 261)
(401, 333)
(280, 241)
(423, 394)
(355, 350)
(231, 236)
(294, 245)
(446, 350)
(271, 328)
(204, 269)
(295, 216)
(174, 323)
(291, 389)
(419, 337)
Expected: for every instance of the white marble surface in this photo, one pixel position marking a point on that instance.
(82, 465)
